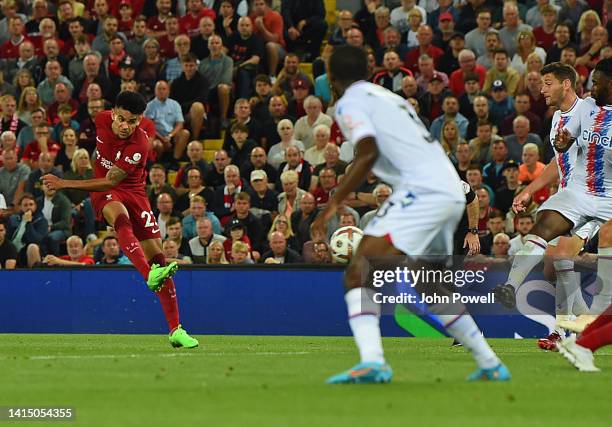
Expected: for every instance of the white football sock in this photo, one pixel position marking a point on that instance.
(364, 316)
(463, 328)
(527, 258)
(566, 286)
(603, 299)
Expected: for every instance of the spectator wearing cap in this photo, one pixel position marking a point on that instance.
(475, 40)
(262, 197)
(391, 76)
(304, 126)
(431, 102)
(492, 44)
(502, 72)
(190, 90)
(501, 104)
(445, 31)
(449, 62)
(467, 65)
(247, 51)
(255, 227)
(127, 73)
(522, 106)
(301, 89)
(471, 90)
(196, 10)
(269, 26)
(427, 71)
(450, 107)
(167, 115)
(444, 6)
(305, 26)
(399, 15)
(182, 47)
(392, 40)
(289, 74)
(217, 68)
(205, 236)
(492, 172)
(425, 38)
(505, 194)
(520, 138)
(511, 28)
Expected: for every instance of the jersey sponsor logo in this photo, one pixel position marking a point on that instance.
(134, 160)
(107, 164)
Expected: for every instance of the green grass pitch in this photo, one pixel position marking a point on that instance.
(138, 380)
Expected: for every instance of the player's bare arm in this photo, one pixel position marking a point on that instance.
(549, 175)
(114, 176)
(365, 157)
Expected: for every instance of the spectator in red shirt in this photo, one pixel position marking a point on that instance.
(42, 144)
(76, 254)
(126, 18)
(10, 49)
(327, 182)
(467, 65)
(569, 56)
(545, 34)
(268, 24)
(156, 24)
(196, 10)
(166, 42)
(424, 37)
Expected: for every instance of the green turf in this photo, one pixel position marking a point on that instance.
(120, 380)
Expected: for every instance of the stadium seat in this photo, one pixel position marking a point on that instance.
(171, 177)
(209, 155)
(331, 14)
(213, 144)
(183, 164)
(306, 68)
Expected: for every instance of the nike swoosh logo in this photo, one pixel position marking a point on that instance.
(99, 140)
(133, 249)
(155, 230)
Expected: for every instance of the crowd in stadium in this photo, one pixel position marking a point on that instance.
(245, 148)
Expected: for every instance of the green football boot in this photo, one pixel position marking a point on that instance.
(180, 338)
(158, 275)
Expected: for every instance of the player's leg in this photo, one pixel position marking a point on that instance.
(603, 299)
(550, 224)
(599, 333)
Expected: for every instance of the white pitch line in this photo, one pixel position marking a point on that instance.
(136, 356)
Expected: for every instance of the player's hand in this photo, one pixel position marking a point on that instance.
(472, 242)
(563, 140)
(27, 216)
(521, 201)
(52, 182)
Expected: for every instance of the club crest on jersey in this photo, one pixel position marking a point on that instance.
(118, 155)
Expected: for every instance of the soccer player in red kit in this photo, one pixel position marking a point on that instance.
(118, 195)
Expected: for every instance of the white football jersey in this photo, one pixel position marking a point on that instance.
(590, 125)
(567, 160)
(409, 157)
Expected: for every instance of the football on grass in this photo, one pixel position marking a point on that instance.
(344, 243)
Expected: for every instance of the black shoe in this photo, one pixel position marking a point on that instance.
(456, 343)
(505, 295)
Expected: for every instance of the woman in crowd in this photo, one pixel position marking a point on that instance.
(80, 168)
(281, 223)
(276, 155)
(526, 45)
(68, 140)
(216, 253)
(28, 102)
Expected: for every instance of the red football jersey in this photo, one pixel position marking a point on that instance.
(129, 154)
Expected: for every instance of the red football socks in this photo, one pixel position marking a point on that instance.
(130, 245)
(167, 297)
(599, 333)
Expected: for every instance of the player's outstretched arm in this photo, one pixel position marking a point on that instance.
(365, 157)
(549, 175)
(114, 176)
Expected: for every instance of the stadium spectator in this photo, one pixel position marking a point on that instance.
(399, 15)
(525, 47)
(531, 168)
(215, 176)
(520, 138)
(45, 166)
(155, 23)
(196, 10)
(415, 20)
(502, 72)
(259, 102)
(524, 224)
(247, 51)
(393, 73)
(9, 117)
(279, 252)
(522, 106)
(467, 66)
(170, 134)
(449, 62)
(174, 228)
(392, 40)
(450, 138)
(545, 33)
(305, 26)
(263, 199)
(195, 187)
(327, 182)
(289, 199)
(501, 246)
(315, 155)
(305, 125)
(243, 114)
(111, 252)
(93, 74)
(10, 49)
(562, 40)
(195, 152)
(8, 253)
(425, 38)
(57, 211)
(62, 97)
(171, 253)
(87, 132)
(475, 40)
(277, 109)
(42, 143)
(592, 53)
(450, 107)
(569, 57)
(217, 69)
(316, 253)
(493, 171)
(240, 253)
(165, 210)
(158, 184)
(226, 23)
(506, 193)
(277, 153)
(295, 161)
(258, 161)
(511, 28)
(182, 46)
(26, 60)
(270, 27)
(375, 36)
(80, 168)
(239, 146)
(26, 229)
(380, 193)
(76, 255)
(190, 90)
(199, 42)
(68, 142)
(225, 194)
(343, 25)
(492, 44)
(255, 227)
(198, 210)
(431, 101)
(346, 216)
(495, 225)
(166, 42)
(535, 14)
(237, 233)
(302, 218)
(102, 42)
(150, 69)
(202, 243)
(13, 179)
(287, 75)
(471, 91)
(332, 160)
(216, 254)
(410, 89)
(533, 86)
(501, 105)
(463, 158)
(474, 178)
(282, 224)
